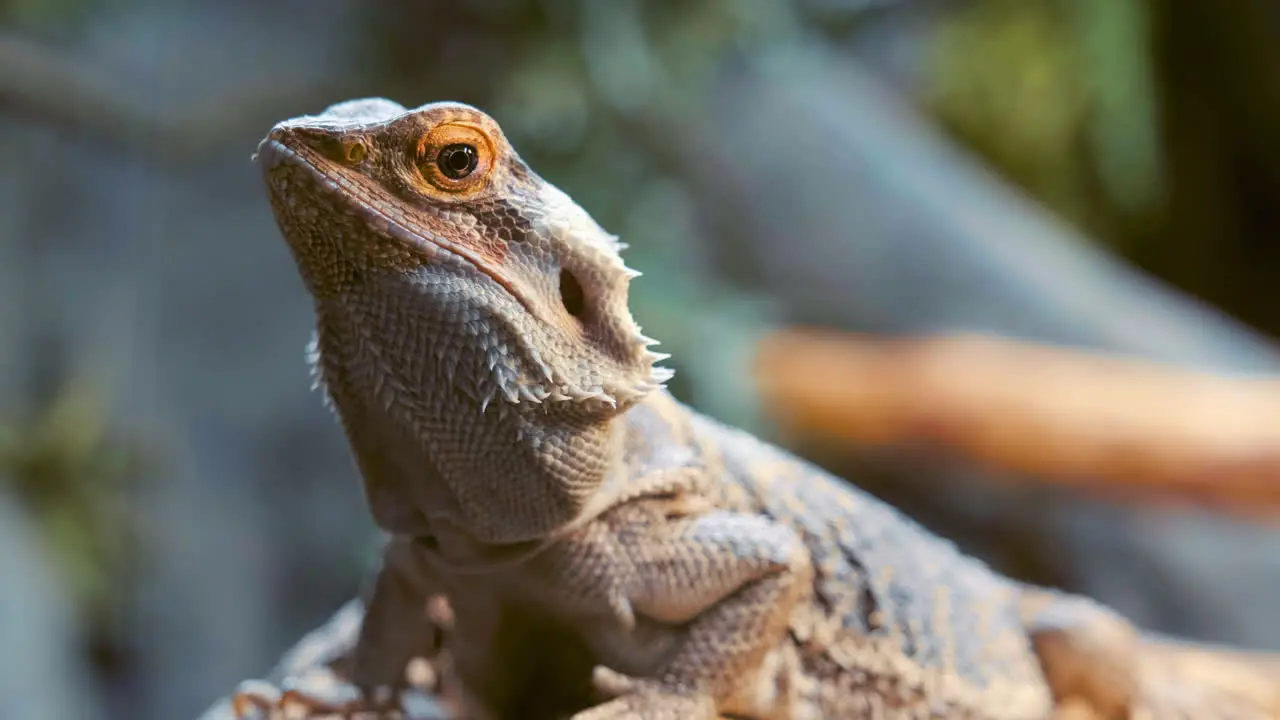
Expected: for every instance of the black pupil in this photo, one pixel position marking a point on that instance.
(457, 161)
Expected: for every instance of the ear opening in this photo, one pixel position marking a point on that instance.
(571, 294)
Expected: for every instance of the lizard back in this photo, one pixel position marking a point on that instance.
(899, 623)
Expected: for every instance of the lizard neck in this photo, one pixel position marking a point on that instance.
(433, 462)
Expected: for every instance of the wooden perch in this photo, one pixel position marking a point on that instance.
(1090, 420)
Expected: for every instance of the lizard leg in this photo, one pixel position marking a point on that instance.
(397, 627)
(396, 630)
(1088, 653)
(732, 581)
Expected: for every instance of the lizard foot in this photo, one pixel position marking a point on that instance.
(650, 701)
(323, 694)
(313, 697)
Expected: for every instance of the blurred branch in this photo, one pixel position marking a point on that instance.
(1089, 420)
(73, 94)
(42, 86)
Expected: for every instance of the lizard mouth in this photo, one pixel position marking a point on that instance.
(275, 151)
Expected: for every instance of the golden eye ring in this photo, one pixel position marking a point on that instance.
(455, 157)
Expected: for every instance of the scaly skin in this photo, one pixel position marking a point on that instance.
(513, 436)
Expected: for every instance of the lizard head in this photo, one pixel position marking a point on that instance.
(453, 285)
(436, 207)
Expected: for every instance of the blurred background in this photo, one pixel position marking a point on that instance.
(1100, 178)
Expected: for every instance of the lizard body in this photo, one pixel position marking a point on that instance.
(606, 551)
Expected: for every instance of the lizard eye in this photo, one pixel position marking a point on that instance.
(455, 156)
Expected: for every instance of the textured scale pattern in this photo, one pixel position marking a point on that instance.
(898, 617)
(605, 552)
(897, 621)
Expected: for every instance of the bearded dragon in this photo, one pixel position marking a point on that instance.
(608, 552)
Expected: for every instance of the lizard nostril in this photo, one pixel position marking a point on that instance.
(571, 294)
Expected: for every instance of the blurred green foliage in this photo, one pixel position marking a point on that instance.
(1059, 96)
(1150, 124)
(77, 478)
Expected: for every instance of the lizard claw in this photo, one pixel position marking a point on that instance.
(252, 698)
(612, 684)
(309, 696)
